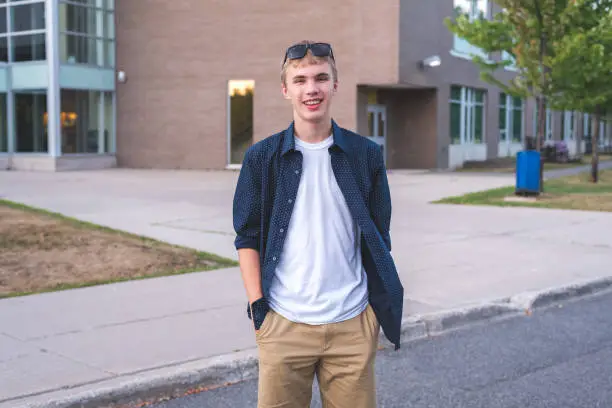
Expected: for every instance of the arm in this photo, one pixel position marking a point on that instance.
(251, 273)
(380, 199)
(247, 221)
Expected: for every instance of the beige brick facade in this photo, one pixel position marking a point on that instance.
(179, 56)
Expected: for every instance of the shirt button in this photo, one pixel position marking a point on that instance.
(282, 230)
(274, 258)
(289, 201)
(297, 172)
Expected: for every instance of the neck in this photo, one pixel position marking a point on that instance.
(311, 132)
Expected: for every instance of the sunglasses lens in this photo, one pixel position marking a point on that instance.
(321, 50)
(297, 51)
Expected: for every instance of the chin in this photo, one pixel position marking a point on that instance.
(314, 116)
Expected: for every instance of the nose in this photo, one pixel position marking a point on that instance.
(311, 87)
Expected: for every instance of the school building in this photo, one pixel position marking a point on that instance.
(190, 84)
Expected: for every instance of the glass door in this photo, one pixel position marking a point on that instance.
(377, 126)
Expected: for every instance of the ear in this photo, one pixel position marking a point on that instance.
(284, 91)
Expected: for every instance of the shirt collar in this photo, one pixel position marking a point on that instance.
(339, 138)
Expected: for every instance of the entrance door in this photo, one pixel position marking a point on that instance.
(377, 126)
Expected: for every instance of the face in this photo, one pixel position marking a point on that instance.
(310, 87)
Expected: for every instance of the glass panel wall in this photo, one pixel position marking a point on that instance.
(3, 124)
(108, 127)
(31, 121)
(27, 31)
(3, 34)
(86, 125)
(87, 32)
(86, 36)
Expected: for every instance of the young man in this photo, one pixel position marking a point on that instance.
(312, 210)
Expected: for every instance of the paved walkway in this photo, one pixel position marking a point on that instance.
(447, 256)
(576, 170)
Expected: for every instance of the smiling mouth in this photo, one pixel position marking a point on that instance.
(313, 102)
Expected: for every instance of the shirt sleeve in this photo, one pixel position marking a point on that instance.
(247, 204)
(380, 198)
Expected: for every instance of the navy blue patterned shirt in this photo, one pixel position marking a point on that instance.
(263, 203)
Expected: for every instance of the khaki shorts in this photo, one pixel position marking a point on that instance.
(340, 354)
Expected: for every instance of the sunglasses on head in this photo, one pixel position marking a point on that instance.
(298, 51)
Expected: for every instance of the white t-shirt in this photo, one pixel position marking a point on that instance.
(320, 278)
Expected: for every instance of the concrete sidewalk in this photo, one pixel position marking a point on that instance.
(60, 344)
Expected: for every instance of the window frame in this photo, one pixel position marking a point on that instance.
(549, 123)
(569, 125)
(468, 104)
(10, 34)
(509, 110)
(104, 44)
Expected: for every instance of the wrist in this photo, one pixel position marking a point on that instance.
(255, 297)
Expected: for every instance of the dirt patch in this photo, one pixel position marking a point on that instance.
(40, 252)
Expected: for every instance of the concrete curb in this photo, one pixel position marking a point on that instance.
(528, 301)
(154, 385)
(442, 322)
(170, 382)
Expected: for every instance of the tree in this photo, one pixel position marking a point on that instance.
(524, 32)
(583, 64)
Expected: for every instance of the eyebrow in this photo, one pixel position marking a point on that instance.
(322, 75)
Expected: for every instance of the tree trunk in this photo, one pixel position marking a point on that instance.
(540, 136)
(595, 143)
(542, 115)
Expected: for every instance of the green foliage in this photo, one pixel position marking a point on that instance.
(583, 60)
(525, 31)
(561, 50)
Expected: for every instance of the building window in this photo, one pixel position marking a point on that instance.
(548, 130)
(31, 121)
(510, 118)
(467, 121)
(86, 121)
(240, 132)
(87, 32)
(474, 10)
(28, 17)
(22, 31)
(30, 47)
(587, 125)
(4, 46)
(569, 128)
(589, 129)
(3, 124)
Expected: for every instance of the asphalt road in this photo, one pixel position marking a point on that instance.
(559, 357)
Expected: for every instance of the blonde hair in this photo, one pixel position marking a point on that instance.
(309, 59)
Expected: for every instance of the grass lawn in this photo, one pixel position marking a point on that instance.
(574, 192)
(508, 165)
(42, 251)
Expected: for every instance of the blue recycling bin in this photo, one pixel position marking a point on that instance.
(528, 172)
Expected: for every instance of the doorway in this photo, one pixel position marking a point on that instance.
(377, 126)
